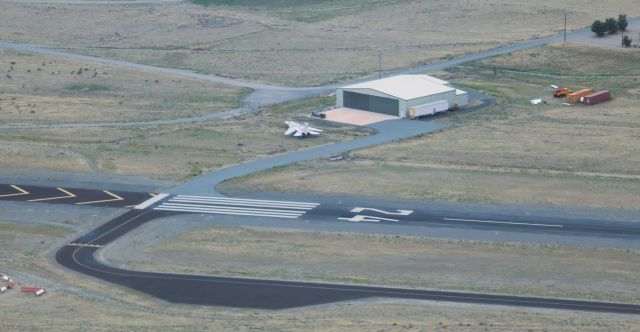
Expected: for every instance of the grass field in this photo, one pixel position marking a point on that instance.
(513, 152)
(294, 42)
(46, 91)
(509, 268)
(170, 152)
(38, 89)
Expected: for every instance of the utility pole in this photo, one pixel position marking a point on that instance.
(379, 63)
(565, 25)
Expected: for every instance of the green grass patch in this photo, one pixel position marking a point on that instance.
(32, 229)
(264, 4)
(302, 105)
(88, 87)
(303, 10)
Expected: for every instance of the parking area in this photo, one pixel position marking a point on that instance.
(356, 117)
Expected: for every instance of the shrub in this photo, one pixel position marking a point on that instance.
(598, 28)
(612, 25)
(622, 22)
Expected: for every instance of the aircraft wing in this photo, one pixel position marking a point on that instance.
(290, 130)
(297, 134)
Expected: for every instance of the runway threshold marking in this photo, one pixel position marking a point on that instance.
(504, 222)
(235, 206)
(19, 193)
(68, 195)
(114, 199)
(155, 198)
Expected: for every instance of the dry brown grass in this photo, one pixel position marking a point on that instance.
(539, 270)
(37, 89)
(32, 95)
(306, 45)
(173, 152)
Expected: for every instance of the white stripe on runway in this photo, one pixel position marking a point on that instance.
(218, 207)
(150, 201)
(160, 208)
(302, 207)
(504, 222)
(247, 201)
(236, 206)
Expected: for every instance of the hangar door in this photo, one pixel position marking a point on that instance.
(370, 103)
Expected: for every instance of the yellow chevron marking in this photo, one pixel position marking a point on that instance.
(21, 192)
(114, 199)
(68, 195)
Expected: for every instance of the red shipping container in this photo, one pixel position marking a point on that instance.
(596, 97)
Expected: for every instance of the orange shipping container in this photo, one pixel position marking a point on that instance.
(574, 98)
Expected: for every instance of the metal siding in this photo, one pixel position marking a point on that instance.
(403, 109)
(339, 102)
(462, 100)
(370, 92)
(370, 103)
(449, 96)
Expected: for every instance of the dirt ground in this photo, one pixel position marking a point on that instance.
(303, 43)
(37, 89)
(78, 303)
(513, 152)
(356, 117)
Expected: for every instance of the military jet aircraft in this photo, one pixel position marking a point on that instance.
(299, 130)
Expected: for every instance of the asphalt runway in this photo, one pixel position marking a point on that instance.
(325, 211)
(400, 216)
(269, 294)
(78, 255)
(76, 196)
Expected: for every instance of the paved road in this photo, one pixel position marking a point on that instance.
(76, 196)
(78, 255)
(269, 294)
(387, 131)
(413, 218)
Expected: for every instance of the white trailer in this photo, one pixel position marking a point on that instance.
(419, 111)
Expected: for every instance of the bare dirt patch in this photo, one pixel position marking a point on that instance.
(356, 117)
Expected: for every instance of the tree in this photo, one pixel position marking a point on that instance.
(626, 41)
(598, 28)
(611, 25)
(622, 22)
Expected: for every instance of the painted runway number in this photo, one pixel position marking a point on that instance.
(369, 218)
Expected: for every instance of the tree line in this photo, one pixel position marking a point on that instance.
(610, 25)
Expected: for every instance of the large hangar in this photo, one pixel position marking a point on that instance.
(395, 95)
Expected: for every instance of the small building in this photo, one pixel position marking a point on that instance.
(395, 95)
